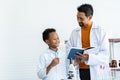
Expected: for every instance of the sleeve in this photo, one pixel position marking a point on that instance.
(70, 42)
(41, 72)
(102, 55)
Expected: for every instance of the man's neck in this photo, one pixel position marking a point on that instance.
(89, 24)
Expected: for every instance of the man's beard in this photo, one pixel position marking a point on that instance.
(81, 24)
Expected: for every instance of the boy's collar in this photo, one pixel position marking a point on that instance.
(53, 50)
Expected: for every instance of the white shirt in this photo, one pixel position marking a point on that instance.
(57, 72)
(99, 40)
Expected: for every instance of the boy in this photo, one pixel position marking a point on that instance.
(52, 64)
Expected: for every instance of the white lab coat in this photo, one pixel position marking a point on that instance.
(98, 61)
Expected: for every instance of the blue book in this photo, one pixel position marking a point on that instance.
(73, 52)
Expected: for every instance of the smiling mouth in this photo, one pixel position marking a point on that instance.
(81, 24)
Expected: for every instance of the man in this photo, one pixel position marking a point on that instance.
(89, 35)
(52, 64)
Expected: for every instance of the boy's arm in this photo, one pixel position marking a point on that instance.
(41, 69)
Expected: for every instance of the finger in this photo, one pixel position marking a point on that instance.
(79, 54)
(56, 58)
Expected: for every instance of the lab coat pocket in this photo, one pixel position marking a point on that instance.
(103, 73)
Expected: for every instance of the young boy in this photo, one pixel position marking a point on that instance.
(52, 64)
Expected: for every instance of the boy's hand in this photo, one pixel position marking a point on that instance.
(54, 62)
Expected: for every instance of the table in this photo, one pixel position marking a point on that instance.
(115, 73)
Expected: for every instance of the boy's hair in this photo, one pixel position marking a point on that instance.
(86, 8)
(46, 33)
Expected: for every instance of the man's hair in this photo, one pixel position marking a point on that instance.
(46, 33)
(86, 8)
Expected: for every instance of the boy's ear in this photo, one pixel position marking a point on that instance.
(47, 41)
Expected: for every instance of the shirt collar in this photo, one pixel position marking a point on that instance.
(55, 53)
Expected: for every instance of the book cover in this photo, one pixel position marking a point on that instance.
(73, 52)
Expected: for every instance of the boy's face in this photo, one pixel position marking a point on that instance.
(53, 40)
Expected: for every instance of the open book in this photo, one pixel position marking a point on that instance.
(73, 52)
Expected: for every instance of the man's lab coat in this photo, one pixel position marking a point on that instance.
(98, 59)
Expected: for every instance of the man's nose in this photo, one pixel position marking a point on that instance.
(79, 20)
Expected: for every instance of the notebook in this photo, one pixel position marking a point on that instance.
(73, 52)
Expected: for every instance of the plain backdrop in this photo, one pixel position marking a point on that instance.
(23, 21)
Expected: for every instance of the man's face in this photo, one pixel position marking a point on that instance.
(53, 40)
(82, 19)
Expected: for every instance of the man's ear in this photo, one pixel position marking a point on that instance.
(90, 17)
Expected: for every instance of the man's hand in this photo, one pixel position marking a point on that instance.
(82, 57)
(77, 61)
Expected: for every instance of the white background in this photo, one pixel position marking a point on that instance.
(23, 21)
